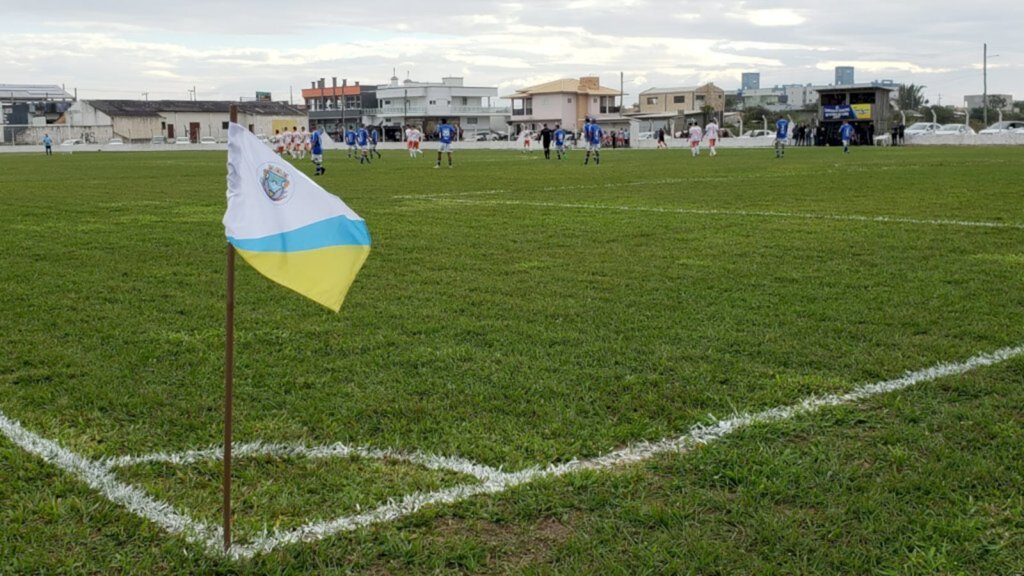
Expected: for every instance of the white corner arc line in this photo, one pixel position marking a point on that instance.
(100, 477)
(744, 213)
(698, 435)
(336, 450)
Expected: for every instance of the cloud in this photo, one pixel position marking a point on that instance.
(772, 17)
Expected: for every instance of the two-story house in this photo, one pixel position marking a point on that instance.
(566, 102)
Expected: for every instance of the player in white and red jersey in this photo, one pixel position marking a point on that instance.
(296, 142)
(278, 141)
(303, 143)
(711, 133)
(414, 141)
(696, 135)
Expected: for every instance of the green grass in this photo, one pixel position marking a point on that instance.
(505, 318)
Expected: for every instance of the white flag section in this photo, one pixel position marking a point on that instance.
(287, 227)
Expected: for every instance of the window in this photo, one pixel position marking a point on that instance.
(224, 125)
(679, 99)
(471, 120)
(570, 100)
(652, 100)
(465, 101)
(700, 97)
(387, 102)
(163, 125)
(433, 102)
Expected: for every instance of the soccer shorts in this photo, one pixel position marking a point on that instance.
(445, 147)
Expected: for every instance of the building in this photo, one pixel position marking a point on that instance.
(866, 106)
(425, 104)
(750, 81)
(673, 109)
(1002, 102)
(567, 102)
(335, 107)
(782, 98)
(175, 120)
(24, 107)
(844, 76)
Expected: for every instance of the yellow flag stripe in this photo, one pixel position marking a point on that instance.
(323, 275)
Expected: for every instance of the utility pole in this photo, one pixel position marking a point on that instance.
(145, 96)
(984, 84)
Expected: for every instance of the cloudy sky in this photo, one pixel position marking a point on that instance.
(120, 49)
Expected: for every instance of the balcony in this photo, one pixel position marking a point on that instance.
(481, 110)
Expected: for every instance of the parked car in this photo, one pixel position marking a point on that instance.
(954, 130)
(207, 140)
(922, 128)
(158, 140)
(758, 134)
(645, 135)
(1003, 127)
(182, 140)
(115, 142)
(72, 142)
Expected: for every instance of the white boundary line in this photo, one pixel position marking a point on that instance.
(99, 475)
(745, 213)
(101, 478)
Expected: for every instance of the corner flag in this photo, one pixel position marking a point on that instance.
(287, 227)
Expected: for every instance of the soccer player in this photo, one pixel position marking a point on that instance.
(696, 135)
(48, 144)
(278, 142)
(446, 133)
(846, 134)
(363, 138)
(304, 143)
(296, 142)
(374, 138)
(350, 140)
(559, 141)
(593, 135)
(781, 133)
(316, 151)
(545, 140)
(711, 133)
(415, 136)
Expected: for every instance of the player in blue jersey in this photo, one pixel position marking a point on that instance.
(781, 133)
(846, 134)
(593, 134)
(316, 150)
(374, 139)
(350, 140)
(363, 140)
(559, 141)
(446, 134)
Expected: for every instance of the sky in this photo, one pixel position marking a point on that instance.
(226, 50)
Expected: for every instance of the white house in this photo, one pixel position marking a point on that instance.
(425, 104)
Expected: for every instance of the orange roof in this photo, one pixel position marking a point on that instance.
(328, 91)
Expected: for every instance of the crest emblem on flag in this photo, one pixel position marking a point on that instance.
(275, 183)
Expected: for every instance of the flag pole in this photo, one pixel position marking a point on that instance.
(229, 369)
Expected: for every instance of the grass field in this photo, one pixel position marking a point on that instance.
(515, 314)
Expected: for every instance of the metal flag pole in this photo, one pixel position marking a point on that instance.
(229, 369)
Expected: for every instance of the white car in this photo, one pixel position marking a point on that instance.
(922, 128)
(72, 142)
(207, 140)
(1003, 127)
(182, 140)
(115, 142)
(954, 130)
(758, 134)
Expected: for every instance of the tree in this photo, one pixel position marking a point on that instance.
(752, 116)
(910, 97)
(997, 102)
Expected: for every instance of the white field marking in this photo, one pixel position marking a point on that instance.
(746, 213)
(698, 435)
(100, 477)
(337, 450)
(658, 182)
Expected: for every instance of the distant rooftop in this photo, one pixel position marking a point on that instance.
(585, 85)
(144, 108)
(33, 92)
